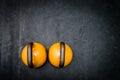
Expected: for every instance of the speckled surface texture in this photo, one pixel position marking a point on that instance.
(90, 27)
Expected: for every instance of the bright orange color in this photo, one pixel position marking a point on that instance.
(54, 54)
(39, 55)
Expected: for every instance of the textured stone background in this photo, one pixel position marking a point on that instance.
(90, 27)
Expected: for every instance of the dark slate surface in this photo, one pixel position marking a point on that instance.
(90, 27)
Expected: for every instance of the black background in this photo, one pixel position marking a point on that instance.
(90, 27)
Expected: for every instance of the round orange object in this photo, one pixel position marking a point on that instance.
(60, 54)
(34, 55)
